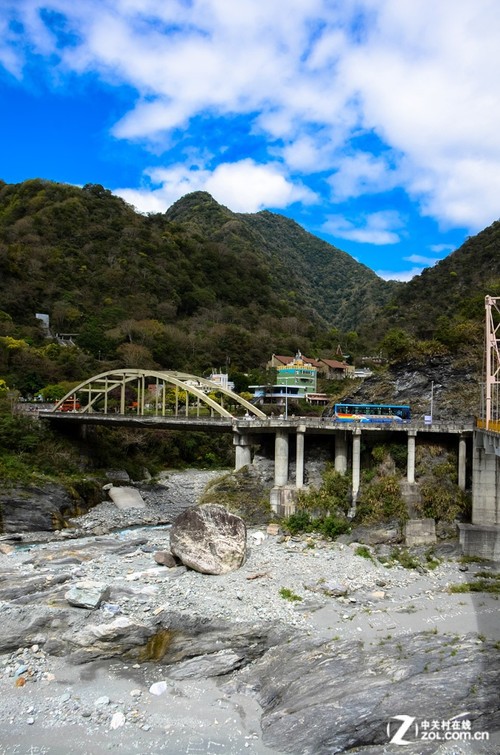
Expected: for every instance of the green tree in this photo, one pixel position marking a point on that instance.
(397, 344)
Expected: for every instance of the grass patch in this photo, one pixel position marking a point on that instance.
(431, 561)
(364, 552)
(491, 584)
(472, 560)
(404, 557)
(287, 594)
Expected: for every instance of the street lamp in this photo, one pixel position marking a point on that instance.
(428, 417)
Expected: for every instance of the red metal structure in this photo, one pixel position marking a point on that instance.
(492, 366)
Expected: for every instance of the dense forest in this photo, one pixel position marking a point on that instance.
(200, 287)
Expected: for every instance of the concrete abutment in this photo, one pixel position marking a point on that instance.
(482, 537)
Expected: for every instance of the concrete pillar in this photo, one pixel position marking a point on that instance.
(485, 485)
(281, 458)
(462, 462)
(410, 468)
(299, 464)
(340, 452)
(243, 451)
(356, 461)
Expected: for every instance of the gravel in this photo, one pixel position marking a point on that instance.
(291, 582)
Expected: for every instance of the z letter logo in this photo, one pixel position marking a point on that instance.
(406, 722)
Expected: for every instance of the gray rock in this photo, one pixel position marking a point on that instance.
(375, 535)
(321, 698)
(87, 594)
(333, 589)
(203, 666)
(106, 639)
(30, 508)
(209, 539)
(166, 559)
(117, 475)
(126, 498)
(20, 588)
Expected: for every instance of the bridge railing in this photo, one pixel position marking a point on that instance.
(492, 425)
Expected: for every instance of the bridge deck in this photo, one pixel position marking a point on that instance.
(312, 425)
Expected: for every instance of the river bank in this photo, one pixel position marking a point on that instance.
(308, 648)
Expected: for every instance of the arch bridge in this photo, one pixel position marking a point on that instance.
(154, 393)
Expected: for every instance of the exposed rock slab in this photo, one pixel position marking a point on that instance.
(209, 539)
(204, 666)
(322, 698)
(30, 508)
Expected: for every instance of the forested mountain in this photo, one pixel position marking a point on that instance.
(200, 287)
(195, 288)
(452, 292)
(307, 272)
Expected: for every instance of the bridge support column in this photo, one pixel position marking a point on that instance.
(299, 463)
(356, 462)
(482, 537)
(283, 496)
(281, 458)
(243, 451)
(410, 464)
(485, 483)
(340, 452)
(462, 459)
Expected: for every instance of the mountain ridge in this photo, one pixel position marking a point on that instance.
(201, 286)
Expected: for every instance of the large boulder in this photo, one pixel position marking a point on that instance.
(209, 539)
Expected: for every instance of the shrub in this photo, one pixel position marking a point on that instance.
(297, 523)
(442, 502)
(381, 500)
(332, 526)
(331, 497)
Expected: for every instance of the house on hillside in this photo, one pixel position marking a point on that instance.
(297, 378)
(330, 369)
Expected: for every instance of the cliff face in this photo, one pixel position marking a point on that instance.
(34, 509)
(454, 387)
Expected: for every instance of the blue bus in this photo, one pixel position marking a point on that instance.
(372, 413)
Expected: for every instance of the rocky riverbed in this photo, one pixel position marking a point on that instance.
(310, 647)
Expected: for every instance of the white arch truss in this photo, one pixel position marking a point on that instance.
(150, 394)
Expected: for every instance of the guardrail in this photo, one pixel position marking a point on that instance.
(493, 425)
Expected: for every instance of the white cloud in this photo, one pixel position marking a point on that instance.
(312, 79)
(362, 173)
(243, 186)
(311, 154)
(420, 259)
(377, 228)
(440, 248)
(400, 275)
(248, 187)
(426, 78)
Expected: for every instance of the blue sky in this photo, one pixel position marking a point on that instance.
(372, 123)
